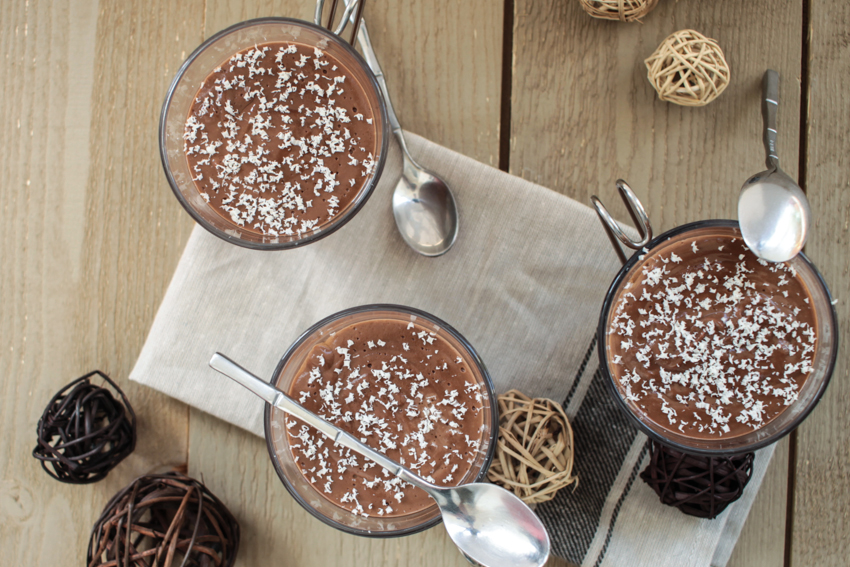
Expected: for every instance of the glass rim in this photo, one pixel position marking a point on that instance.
(601, 335)
(475, 359)
(345, 216)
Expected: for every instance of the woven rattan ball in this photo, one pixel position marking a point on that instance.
(688, 69)
(623, 10)
(85, 431)
(698, 486)
(166, 520)
(534, 454)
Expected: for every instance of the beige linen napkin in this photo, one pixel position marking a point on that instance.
(524, 284)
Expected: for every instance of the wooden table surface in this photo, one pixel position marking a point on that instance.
(91, 233)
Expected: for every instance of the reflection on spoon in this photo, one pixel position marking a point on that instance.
(772, 209)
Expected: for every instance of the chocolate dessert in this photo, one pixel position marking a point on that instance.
(709, 341)
(402, 390)
(280, 139)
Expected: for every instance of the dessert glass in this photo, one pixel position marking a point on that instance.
(278, 442)
(810, 393)
(210, 55)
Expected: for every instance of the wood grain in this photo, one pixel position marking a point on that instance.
(442, 60)
(584, 115)
(821, 507)
(90, 238)
(757, 544)
(456, 105)
(90, 232)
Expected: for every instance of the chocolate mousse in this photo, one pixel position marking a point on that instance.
(707, 340)
(280, 139)
(404, 391)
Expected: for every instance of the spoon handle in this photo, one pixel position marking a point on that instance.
(278, 399)
(769, 109)
(372, 60)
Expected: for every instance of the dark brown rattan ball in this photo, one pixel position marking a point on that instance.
(85, 431)
(168, 520)
(698, 486)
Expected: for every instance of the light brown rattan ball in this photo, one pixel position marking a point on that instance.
(688, 69)
(534, 454)
(623, 10)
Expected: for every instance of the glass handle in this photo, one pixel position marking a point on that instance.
(638, 214)
(348, 15)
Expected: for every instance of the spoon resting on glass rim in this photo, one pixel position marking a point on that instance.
(491, 526)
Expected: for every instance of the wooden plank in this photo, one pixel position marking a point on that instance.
(442, 60)
(456, 105)
(90, 237)
(757, 544)
(135, 230)
(583, 115)
(821, 531)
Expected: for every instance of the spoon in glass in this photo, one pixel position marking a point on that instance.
(773, 211)
(490, 525)
(423, 205)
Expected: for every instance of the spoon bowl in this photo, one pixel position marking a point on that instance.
(773, 211)
(774, 215)
(482, 521)
(425, 211)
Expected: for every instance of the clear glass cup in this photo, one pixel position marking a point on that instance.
(278, 442)
(200, 64)
(810, 393)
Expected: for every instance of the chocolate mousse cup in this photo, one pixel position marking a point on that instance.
(657, 426)
(207, 60)
(464, 372)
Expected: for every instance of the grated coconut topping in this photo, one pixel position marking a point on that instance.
(715, 345)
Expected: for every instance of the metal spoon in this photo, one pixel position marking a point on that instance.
(423, 205)
(490, 526)
(772, 209)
